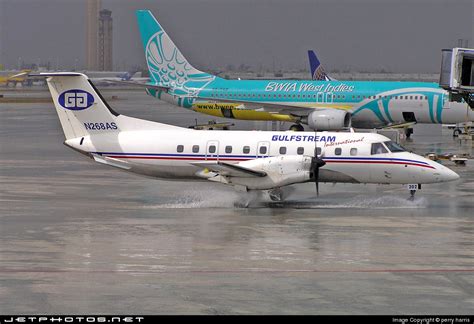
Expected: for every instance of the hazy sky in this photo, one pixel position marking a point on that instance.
(364, 35)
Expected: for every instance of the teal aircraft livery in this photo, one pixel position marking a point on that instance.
(320, 104)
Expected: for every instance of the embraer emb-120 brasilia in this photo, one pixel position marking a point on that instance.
(246, 160)
(320, 104)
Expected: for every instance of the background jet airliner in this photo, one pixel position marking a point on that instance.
(322, 105)
(132, 75)
(247, 160)
(316, 68)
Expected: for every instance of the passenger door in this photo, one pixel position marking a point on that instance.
(212, 151)
(329, 98)
(320, 98)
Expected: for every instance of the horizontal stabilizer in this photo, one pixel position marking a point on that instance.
(111, 161)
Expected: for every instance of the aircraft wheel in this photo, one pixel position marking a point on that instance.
(276, 194)
(456, 132)
(297, 128)
(408, 132)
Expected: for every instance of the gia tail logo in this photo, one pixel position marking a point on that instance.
(76, 99)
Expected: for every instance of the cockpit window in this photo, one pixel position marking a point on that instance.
(378, 148)
(394, 147)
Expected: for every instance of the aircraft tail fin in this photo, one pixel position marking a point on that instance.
(83, 111)
(166, 64)
(317, 70)
(127, 76)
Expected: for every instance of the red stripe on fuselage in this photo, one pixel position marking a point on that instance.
(381, 162)
(175, 158)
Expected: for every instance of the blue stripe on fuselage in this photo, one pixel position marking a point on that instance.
(361, 159)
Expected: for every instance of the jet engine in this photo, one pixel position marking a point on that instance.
(328, 119)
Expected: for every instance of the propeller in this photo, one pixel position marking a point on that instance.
(316, 163)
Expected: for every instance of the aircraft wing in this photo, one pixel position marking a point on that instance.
(22, 74)
(227, 169)
(289, 109)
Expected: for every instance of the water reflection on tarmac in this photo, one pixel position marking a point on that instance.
(78, 237)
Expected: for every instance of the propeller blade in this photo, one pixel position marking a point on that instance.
(316, 181)
(316, 163)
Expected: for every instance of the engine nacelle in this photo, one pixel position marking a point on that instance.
(281, 171)
(328, 119)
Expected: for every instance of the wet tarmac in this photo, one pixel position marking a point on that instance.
(78, 237)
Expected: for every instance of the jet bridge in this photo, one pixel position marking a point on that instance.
(457, 74)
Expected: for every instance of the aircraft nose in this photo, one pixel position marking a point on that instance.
(447, 174)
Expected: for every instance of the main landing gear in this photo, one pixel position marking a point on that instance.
(276, 194)
(297, 128)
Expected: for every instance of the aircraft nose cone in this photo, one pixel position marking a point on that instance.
(448, 174)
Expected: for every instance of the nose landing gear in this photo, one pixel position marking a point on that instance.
(413, 188)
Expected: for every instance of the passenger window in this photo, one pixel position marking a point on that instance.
(180, 148)
(212, 149)
(282, 150)
(195, 148)
(353, 151)
(338, 151)
(228, 149)
(378, 148)
(300, 150)
(263, 150)
(246, 149)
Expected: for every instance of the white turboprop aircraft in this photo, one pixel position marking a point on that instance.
(247, 160)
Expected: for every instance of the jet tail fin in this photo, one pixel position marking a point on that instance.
(166, 64)
(317, 70)
(83, 111)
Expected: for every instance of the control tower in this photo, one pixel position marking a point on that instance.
(105, 40)
(92, 33)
